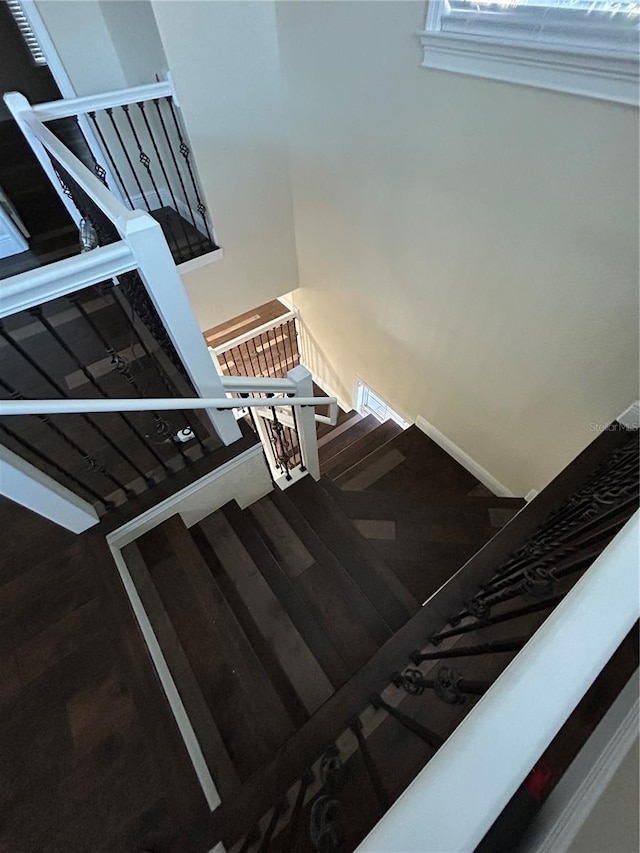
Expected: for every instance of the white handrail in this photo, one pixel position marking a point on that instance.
(247, 336)
(67, 407)
(92, 103)
(489, 755)
(35, 287)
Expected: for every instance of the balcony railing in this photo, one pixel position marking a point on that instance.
(135, 143)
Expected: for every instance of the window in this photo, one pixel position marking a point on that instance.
(26, 31)
(369, 403)
(587, 47)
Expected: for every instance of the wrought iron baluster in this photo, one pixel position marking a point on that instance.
(112, 162)
(116, 130)
(372, 770)
(164, 377)
(22, 442)
(429, 737)
(525, 610)
(60, 390)
(145, 162)
(276, 813)
(292, 830)
(327, 827)
(448, 685)
(281, 447)
(599, 529)
(175, 162)
(184, 151)
(92, 463)
(183, 224)
(490, 648)
(268, 350)
(136, 294)
(123, 367)
(246, 360)
(39, 315)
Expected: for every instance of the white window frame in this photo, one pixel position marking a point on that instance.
(497, 53)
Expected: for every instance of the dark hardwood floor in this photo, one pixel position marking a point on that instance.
(90, 758)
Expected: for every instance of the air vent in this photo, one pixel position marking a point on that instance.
(26, 31)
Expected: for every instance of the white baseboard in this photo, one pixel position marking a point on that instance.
(321, 383)
(631, 416)
(248, 482)
(464, 459)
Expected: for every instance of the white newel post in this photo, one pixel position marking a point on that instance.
(164, 285)
(20, 109)
(34, 489)
(305, 420)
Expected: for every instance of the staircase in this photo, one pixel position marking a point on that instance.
(274, 618)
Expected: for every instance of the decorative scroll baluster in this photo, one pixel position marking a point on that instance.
(372, 770)
(145, 162)
(429, 737)
(62, 393)
(116, 130)
(535, 607)
(327, 823)
(39, 315)
(26, 445)
(141, 106)
(136, 294)
(166, 381)
(184, 151)
(93, 464)
(292, 830)
(121, 365)
(448, 685)
(112, 162)
(156, 103)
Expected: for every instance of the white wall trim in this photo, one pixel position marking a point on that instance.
(184, 502)
(464, 459)
(201, 261)
(26, 485)
(168, 685)
(575, 796)
(631, 416)
(177, 502)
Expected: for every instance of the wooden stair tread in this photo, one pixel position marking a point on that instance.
(252, 720)
(390, 598)
(357, 450)
(302, 669)
(356, 625)
(340, 438)
(207, 734)
(310, 629)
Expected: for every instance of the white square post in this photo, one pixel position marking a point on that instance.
(306, 420)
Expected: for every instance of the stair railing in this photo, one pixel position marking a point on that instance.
(127, 250)
(134, 141)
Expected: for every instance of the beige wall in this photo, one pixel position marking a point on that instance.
(83, 44)
(468, 247)
(224, 62)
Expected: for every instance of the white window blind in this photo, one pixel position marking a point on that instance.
(592, 24)
(27, 32)
(588, 47)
